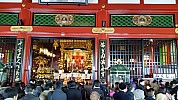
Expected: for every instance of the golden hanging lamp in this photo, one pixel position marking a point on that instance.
(55, 44)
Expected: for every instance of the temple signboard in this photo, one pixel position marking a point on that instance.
(19, 58)
(164, 76)
(102, 52)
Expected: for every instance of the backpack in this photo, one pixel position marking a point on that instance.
(94, 95)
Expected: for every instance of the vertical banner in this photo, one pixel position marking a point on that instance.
(102, 55)
(19, 59)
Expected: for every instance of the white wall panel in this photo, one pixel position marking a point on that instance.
(10, 0)
(89, 1)
(123, 1)
(159, 1)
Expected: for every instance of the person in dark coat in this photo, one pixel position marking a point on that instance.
(73, 93)
(83, 91)
(150, 94)
(174, 89)
(130, 89)
(29, 94)
(1, 97)
(121, 95)
(58, 93)
(96, 87)
(10, 93)
(141, 85)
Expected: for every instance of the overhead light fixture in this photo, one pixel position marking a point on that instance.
(55, 44)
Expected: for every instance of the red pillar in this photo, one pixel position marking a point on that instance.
(26, 17)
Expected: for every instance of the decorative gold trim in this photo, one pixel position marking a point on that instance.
(142, 20)
(62, 19)
(23, 5)
(21, 28)
(103, 6)
(103, 30)
(176, 30)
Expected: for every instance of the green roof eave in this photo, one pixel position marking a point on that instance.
(118, 67)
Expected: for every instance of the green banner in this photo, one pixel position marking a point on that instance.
(161, 55)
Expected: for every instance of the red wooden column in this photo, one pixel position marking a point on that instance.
(26, 66)
(26, 56)
(25, 15)
(103, 21)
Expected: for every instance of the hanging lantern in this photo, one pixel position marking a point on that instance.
(55, 44)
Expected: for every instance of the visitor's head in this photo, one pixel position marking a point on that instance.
(48, 85)
(28, 89)
(167, 84)
(160, 81)
(116, 84)
(135, 80)
(59, 84)
(71, 84)
(148, 86)
(154, 81)
(150, 92)
(103, 80)
(141, 82)
(96, 83)
(123, 87)
(130, 88)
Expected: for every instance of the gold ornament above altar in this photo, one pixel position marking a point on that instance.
(55, 44)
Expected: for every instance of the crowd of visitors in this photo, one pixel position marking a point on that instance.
(145, 90)
(48, 90)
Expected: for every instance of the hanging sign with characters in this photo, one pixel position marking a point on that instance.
(19, 58)
(102, 57)
(164, 76)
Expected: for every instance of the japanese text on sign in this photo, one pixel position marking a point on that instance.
(19, 55)
(164, 76)
(102, 57)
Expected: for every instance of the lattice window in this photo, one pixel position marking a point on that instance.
(49, 19)
(8, 18)
(157, 21)
(144, 56)
(7, 57)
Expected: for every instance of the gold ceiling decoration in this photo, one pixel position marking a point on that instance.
(21, 28)
(103, 30)
(62, 19)
(142, 20)
(55, 44)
